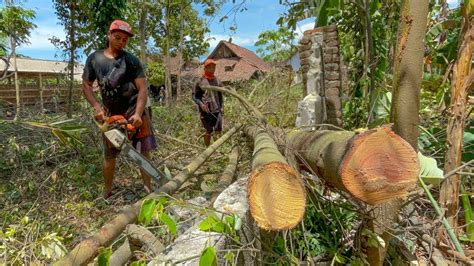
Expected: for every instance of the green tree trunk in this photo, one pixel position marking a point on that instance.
(407, 76)
(409, 70)
(227, 176)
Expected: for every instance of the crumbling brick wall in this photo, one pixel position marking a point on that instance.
(321, 71)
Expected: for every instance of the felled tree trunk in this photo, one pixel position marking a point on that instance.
(276, 194)
(85, 251)
(228, 175)
(374, 166)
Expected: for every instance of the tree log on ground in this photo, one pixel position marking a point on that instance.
(86, 250)
(374, 166)
(122, 255)
(228, 175)
(138, 239)
(276, 194)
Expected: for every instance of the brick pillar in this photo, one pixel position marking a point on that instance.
(322, 79)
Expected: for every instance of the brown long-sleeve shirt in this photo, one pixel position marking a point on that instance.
(213, 99)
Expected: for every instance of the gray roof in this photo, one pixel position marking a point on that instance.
(32, 67)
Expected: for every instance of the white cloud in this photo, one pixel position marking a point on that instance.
(39, 38)
(303, 27)
(214, 39)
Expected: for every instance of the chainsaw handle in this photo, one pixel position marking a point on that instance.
(120, 119)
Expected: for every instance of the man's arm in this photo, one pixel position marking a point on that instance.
(141, 85)
(221, 101)
(90, 97)
(197, 97)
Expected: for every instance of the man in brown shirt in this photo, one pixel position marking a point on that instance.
(211, 103)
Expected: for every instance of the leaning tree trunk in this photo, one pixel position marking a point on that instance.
(84, 252)
(276, 194)
(374, 166)
(461, 85)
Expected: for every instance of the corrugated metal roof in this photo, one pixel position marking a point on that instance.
(47, 67)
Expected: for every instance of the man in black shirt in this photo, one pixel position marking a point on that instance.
(211, 103)
(123, 88)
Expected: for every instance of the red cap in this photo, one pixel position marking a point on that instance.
(209, 62)
(121, 26)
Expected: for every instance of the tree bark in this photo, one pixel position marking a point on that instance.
(72, 49)
(122, 255)
(276, 193)
(17, 85)
(169, 94)
(407, 78)
(41, 89)
(460, 88)
(142, 27)
(180, 54)
(373, 166)
(85, 251)
(138, 239)
(228, 175)
(408, 70)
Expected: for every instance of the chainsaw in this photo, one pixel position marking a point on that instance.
(119, 132)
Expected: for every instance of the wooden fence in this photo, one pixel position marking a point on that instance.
(34, 95)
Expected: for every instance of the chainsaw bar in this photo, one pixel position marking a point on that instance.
(119, 141)
(143, 162)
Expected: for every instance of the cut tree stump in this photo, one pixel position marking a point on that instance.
(373, 166)
(276, 193)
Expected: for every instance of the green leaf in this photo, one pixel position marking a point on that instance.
(104, 256)
(167, 173)
(229, 256)
(146, 211)
(166, 219)
(208, 257)
(138, 263)
(468, 214)
(213, 224)
(429, 170)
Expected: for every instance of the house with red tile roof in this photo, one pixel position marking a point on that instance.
(235, 63)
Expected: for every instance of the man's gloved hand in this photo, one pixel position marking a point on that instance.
(135, 120)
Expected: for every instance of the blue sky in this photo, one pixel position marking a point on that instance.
(259, 16)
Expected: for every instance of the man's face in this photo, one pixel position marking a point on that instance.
(210, 68)
(118, 40)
